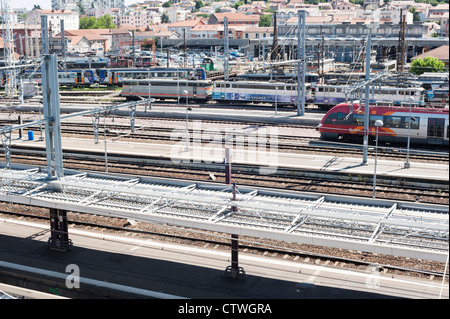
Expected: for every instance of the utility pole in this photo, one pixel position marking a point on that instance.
(401, 43)
(275, 54)
(185, 49)
(8, 40)
(63, 43)
(50, 94)
(134, 49)
(301, 66)
(367, 100)
(226, 53)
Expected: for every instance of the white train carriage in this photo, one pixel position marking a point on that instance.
(263, 92)
(331, 95)
(118, 75)
(196, 90)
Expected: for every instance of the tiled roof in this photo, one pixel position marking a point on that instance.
(55, 11)
(186, 23)
(236, 16)
(440, 53)
(207, 27)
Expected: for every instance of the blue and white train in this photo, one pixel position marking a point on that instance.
(65, 77)
(262, 92)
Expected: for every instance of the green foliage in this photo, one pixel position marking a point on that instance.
(264, 20)
(416, 16)
(104, 22)
(164, 18)
(198, 4)
(80, 7)
(167, 4)
(428, 64)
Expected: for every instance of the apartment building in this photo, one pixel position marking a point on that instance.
(140, 19)
(54, 17)
(86, 4)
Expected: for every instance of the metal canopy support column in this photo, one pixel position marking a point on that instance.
(233, 271)
(59, 230)
(50, 93)
(6, 142)
(227, 166)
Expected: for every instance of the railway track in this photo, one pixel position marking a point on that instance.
(292, 180)
(294, 144)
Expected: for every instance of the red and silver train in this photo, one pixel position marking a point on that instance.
(346, 122)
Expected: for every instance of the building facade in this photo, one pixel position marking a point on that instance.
(54, 17)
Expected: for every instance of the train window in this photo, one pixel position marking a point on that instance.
(393, 121)
(414, 123)
(358, 119)
(374, 118)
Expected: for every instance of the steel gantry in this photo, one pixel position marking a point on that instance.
(369, 225)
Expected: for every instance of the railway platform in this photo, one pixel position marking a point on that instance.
(267, 160)
(212, 113)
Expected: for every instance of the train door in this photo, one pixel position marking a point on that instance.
(435, 130)
(194, 89)
(80, 78)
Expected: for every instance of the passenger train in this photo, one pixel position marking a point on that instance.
(311, 78)
(432, 80)
(65, 77)
(87, 62)
(253, 91)
(330, 95)
(345, 122)
(160, 88)
(117, 76)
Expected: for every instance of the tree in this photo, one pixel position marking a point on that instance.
(104, 22)
(198, 5)
(264, 20)
(164, 18)
(428, 64)
(416, 16)
(80, 7)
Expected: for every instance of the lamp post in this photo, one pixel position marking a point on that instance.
(276, 100)
(185, 92)
(378, 123)
(149, 96)
(407, 165)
